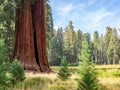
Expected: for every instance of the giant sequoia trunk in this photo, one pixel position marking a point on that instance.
(30, 36)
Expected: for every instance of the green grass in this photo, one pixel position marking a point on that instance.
(109, 73)
(109, 79)
(36, 83)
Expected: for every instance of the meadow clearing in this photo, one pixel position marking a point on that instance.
(108, 75)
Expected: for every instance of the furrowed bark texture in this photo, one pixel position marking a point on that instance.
(30, 36)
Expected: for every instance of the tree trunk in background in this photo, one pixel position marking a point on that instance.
(30, 36)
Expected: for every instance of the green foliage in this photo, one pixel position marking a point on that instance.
(49, 26)
(64, 72)
(109, 72)
(5, 77)
(88, 79)
(70, 43)
(73, 64)
(112, 51)
(3, 57)
(96, 46)
(7, 22)
(16, 71)
(56, 48)
(10, 74)
(87, 73)
(49, 22)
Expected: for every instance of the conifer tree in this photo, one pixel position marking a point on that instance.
(107, 41)
(102, 51)
(7, 19)
(64, 72)
(69, 42)
(112, 51)
(78, 44)
(96, 45)
(56, 50)
(49, 24)
(87, 73)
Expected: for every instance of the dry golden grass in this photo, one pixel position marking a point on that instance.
(110, 83)
(42, 75)
(106, 83)
(97, 66)
(108, 66)
(109, 80)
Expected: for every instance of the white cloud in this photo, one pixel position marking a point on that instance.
(96, 19)
(64, 10)
(91, 2)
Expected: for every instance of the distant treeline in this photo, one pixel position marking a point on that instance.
(68, 43)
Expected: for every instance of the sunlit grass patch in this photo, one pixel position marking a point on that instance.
(32, 84)
(110, 83)
(109, 73)
(63, 85)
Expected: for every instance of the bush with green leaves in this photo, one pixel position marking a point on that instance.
(10, 74)
(87, 73)
(5, 77)
(16, 71)
(64, 72)
(3, 57)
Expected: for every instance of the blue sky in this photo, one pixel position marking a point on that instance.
(87, 15)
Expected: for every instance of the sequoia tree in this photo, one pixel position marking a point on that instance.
(30, 36)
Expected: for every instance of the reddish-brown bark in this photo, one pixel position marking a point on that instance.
(30, 37)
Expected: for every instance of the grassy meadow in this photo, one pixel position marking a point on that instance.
(109, 79)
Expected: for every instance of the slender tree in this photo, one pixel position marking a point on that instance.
(96, 45)
(87, 73)
(69, 42)
(49, 24)
(56, 48)
(78, 44)
(112, 51)
(107, 41)
(101, 51)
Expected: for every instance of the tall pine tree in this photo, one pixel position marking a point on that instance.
(96, 45)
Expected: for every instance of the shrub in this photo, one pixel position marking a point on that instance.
(16, 71)
(10, 74)
(5, 77)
